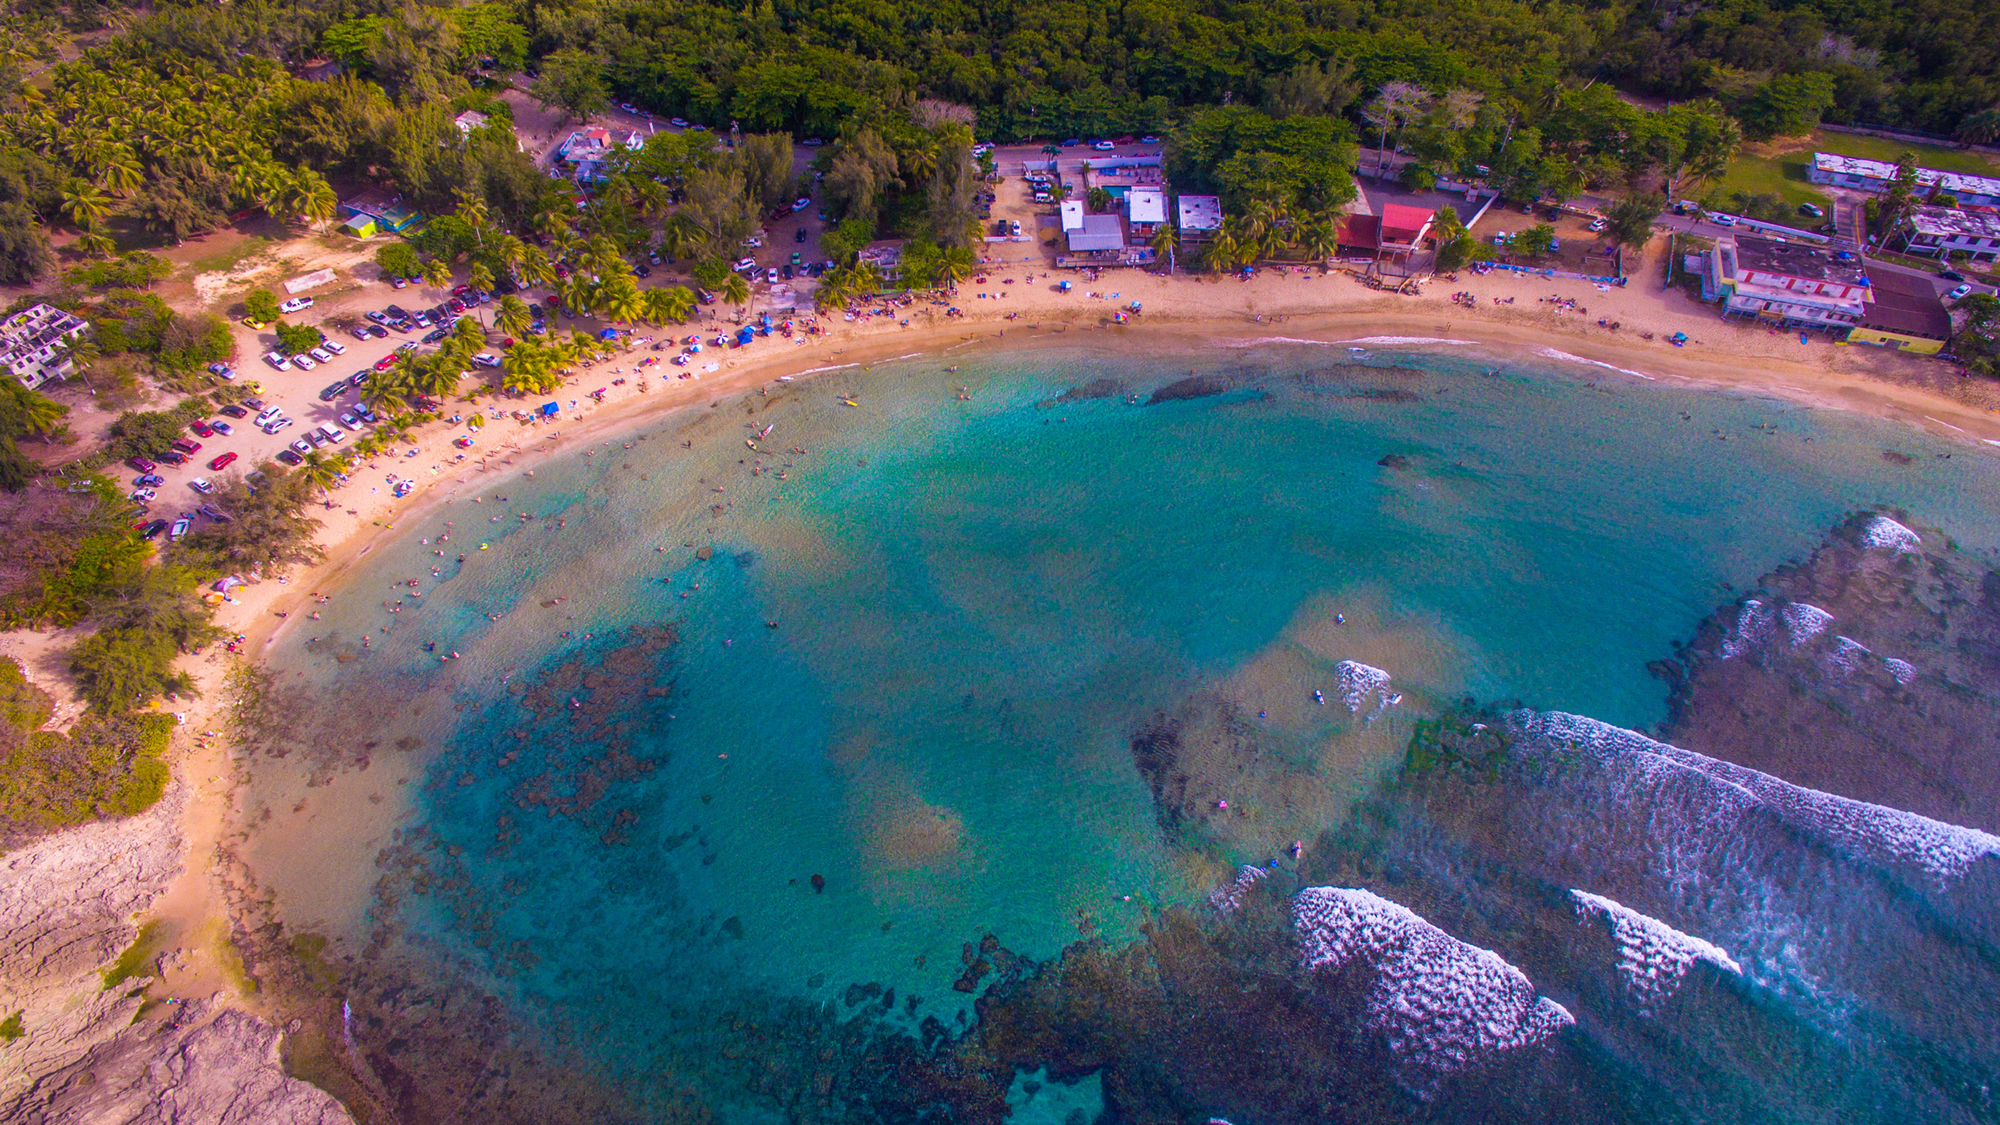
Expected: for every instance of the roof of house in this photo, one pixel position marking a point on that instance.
(1200, 212)
(1072, 214)
(1360, 230)
(1404, 223)
(1908, 305)
(1099, 232)
(1964, 182)
(1796, 259)
(1944, 222)
(1147, 205)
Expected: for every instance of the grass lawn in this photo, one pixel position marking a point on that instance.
(1779, 168)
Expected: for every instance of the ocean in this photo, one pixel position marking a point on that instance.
(851, 705)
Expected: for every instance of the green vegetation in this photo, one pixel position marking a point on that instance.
(23, 413)
(11, 1029)
(104, 766)
(136, 963)
(1977, 344)
(261, 305)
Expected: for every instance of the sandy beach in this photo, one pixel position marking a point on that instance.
(1013, 307)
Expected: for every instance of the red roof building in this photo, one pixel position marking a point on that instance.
(1404, 227)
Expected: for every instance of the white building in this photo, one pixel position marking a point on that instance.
(1788, 282)
(1938, 231)
(1877, 175)
(1146, 208)
(1200, 215)
(31, 344)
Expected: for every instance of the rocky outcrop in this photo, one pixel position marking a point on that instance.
(223, 1070)
(69, 905)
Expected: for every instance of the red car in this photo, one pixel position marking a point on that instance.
(222, 462)
(141, 464)
(386, 362)
(200, 428)
(183, 445)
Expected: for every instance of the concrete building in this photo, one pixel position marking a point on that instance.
(1200, 216)
(1071, 213)
(1403, 230)
(377, 212)
(31, 344)
(1877, 175)
(1788, 283)
(1938, 231)
(1145, 210)
(1905, 313)
(1097, 233)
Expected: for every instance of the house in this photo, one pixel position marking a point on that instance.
(589, 151)
(1906, 313)
(1097, 233)
(1403, 229)
(1938, 231)
(1788, 282)
(378, 212)
(31, 344)
(1358, 235)
(1071, 212)
(1146, 210)
(1200, 216)
(1117, 180)
(469, 120)
(1877, 175)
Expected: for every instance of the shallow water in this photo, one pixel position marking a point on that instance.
(914, 666)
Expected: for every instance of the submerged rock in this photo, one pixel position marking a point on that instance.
(1194, 386)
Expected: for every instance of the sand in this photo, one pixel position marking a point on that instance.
(1275, 305)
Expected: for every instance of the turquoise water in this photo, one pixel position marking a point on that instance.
(914, 665)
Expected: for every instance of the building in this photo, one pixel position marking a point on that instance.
(588, 152)
(1877, 175)
(1071, 213)
(1938, 231)
(377, 212)
(1146, 210)
(1096, 234)
(31, 344)
(1788, 282)
(1200, 216)
(1906, 313)
(1117, 181)
(1403, 229)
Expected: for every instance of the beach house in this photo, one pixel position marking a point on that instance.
(1787, 283)
(1905, 313)
(1876, 175)
(31, 344)
(1939, 231)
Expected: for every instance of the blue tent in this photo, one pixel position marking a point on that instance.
(744, 336)
(549, 409)
(608, 334)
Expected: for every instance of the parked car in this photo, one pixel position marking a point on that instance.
(183, 445)
(359, 378)
(150, 480)
(288, 457)
(642, 270)
(303, 362)
(1958, 293)
(333, 391)
(201, 428)
(179, 529)
(1014, 227)
(1722, 220)
(486, 359)
(359, 331)
(276, 424)
(378, 332)
(771, 277)
(1597, 225)
(801, 203)
(268, 413)
(1104, 146)
(744, 264)
(277, 360)
(799, 235)
(170, 457)
(222, 427)
(143, 495)
(152, 530)
(348, 419)
(221, 369)
(386, 362)
(201, 485)
(1071, 143)
(678, 122)
(296, 304)
(435, 334)
(334, 346)
(365, 414)
(1810, 211)
(785, 272)
(333, 433)
(1951, 275)
(320, 355)
(396, 312)
(396, 282)
(222, 462)
(1149, 139)
(301, 446)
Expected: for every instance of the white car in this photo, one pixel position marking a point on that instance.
(1104, 146)
(1723, 220)
(268, 413)
(276, 424)
(1961, 291)
(144, 495)
(303, 362)
(486, 359)
(296, 304)
(1597, 225)
(321, 355)
(180, 529)
(201, 485)
(801, 204)
(754, 242)
(770, 277)
(334, 346)
(743, 264)
(333, 433)
(278, 360)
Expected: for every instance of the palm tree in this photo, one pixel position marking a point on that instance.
(510, 250)
(1166, 240)
(536, 266)
(954, 264)
(313, 198)
(319, 470)
(552, 224)
(735, 290)
(1222, 253)
(1320, 240)
(512, 317)
(85, 205)
(437, 275)
(622, 300)
(480, 278)
(95, 242)
(675, 304)
(122, 173)
(473, 210)
(36, 413)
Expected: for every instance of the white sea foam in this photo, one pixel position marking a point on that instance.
(1881, 531)
(1902, 670)
(1653, 957)
(1228, 898)
(1842, 657)
(1358, 684)
(1891, 838)
(1551, 353)
(835, 367)
(1408, 341)
(1442, 1006)
(1255, 341)
(1803, 622)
